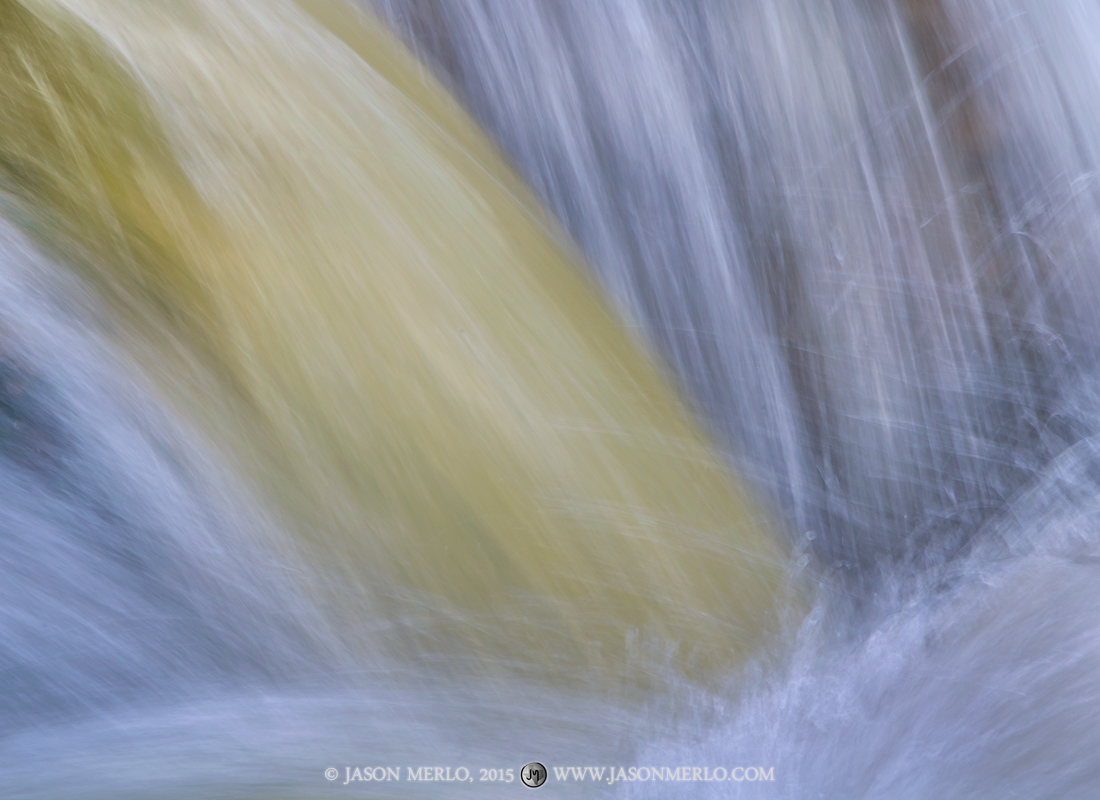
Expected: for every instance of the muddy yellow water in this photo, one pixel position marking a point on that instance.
(326, 267)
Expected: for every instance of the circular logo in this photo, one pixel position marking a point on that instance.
(533, 775)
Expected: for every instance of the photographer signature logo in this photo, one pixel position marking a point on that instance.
(533, 775)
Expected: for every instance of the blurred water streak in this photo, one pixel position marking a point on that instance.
(863, 234)
(317, 448)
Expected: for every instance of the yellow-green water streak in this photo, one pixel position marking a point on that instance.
(323, 262)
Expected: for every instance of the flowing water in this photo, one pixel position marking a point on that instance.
(321, 443)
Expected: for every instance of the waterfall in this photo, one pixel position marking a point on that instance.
(447, 385)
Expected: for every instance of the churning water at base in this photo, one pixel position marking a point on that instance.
(317, 448)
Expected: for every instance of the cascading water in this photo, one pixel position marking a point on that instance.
(317, 449)
(864, 236)
(311, 425)
(860, 232)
